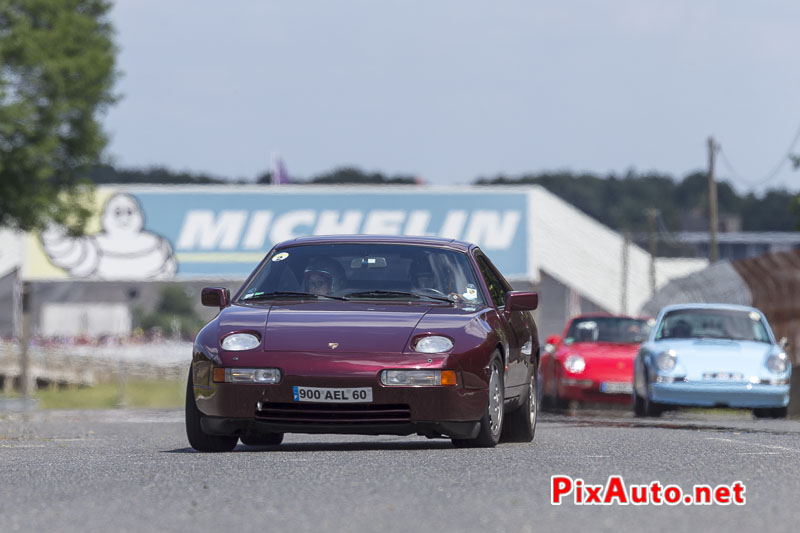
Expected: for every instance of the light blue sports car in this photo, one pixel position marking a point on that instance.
(712, 355)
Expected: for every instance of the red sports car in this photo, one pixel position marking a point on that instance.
(593, 362)
(366, 335)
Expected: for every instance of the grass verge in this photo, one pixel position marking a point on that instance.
(136, 393)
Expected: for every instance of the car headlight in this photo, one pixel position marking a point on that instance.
(665, 361)
(777, 363)
(575, 364)
(246, 375)
(237, 342)
(416, 378)
(433, 344)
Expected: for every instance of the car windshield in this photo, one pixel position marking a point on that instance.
(713, 324)
(608, 329)
(352, 271)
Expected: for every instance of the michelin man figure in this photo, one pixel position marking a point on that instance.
(122, 250)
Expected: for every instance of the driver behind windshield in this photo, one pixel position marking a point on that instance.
(321, 276)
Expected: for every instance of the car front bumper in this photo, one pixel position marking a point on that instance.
(237, 409)
(711, 394)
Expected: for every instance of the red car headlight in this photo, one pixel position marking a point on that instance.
(575, 363)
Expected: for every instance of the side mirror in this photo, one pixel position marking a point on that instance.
(783, 343)
(551, 343)
(215, 297)
(521, 301)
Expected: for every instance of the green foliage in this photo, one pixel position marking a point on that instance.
(620, 203)
(105, 174)
(138, 393)
(357, 176)
(174, 313)
(56, 74)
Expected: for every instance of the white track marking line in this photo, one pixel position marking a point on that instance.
(794, 450)
(757, 453)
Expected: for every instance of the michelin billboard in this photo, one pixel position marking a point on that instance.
(210, 232)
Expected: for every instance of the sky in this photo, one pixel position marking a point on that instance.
(453, 90)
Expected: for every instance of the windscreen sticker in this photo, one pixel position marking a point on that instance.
(471, 294)
(755, 317)
(281, 256)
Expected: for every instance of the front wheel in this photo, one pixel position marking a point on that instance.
(520, 425)
(492, 420)
(200, 441)
(775, 412)
(645, 407)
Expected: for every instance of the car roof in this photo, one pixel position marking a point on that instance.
(379, 239)
(729, 307)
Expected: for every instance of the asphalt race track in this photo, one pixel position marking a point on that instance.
(133, 471)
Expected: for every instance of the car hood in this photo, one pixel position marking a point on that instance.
(699, 356)
(353, 328)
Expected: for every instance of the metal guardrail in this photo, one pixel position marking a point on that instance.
(71, 365)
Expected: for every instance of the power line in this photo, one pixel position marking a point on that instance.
(788, 156)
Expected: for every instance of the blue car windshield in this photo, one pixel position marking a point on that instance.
(714, 324)
(366, 271)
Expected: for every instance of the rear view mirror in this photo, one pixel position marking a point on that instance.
(553, 339)
(215, 297)
(551, 343)
(368, 262)
(783, 343)
(521, 301)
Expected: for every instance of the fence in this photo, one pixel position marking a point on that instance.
(80, 365)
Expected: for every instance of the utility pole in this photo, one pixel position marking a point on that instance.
(651, 225)
(623, 304)
(713, 251)
(25, 330)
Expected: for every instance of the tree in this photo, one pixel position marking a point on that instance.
(174, 314)
(56, 74)
(356, 176)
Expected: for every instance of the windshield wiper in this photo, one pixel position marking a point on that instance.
(381, 293)
(278, 294)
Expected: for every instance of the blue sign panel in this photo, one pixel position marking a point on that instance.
(226, 232)
(163, 232)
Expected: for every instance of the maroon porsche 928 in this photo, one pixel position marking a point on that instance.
(366, 335)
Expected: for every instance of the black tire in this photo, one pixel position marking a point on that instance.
(262, 439)
(651, 408)
(780, 412)
(645, 407)
(559, 403)
(520, 425)
(199, 440)
(638, 404)
(775, 412)
(493, 415)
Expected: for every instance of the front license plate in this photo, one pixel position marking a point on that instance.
(614, 387)
(322, 394)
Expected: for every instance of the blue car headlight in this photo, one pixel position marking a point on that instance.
(665, 361)
(777, 363)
